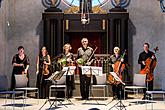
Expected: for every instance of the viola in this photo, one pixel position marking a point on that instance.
(149, 67)
(118, 69)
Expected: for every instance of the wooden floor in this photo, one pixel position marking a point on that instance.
(77, 104)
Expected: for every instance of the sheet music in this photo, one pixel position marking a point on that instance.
(96, 71)
(92, 70)
(86, 70)
(56, 75)
(53, 74)
(69, 70)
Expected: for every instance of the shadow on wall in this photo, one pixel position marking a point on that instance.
(131, 33)
(39, 32)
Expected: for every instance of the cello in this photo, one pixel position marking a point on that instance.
(150, 66)
(118, 69)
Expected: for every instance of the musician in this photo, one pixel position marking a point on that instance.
(143, 56)
(20, 64)
(85, 53)
(69, 62)
(116, 88)
(43, 72)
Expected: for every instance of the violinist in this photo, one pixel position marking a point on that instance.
(69, 62)
(20, 65)
(84, 54)
(43, 72)
(114, 59)
(143, 56)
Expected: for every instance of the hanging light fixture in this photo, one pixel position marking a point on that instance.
(85, 12)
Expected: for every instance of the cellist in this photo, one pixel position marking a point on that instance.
(116, 57)
(143, 56)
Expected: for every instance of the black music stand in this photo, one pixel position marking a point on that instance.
(53, 78)
(89, 70)
(119, 103)
(69, 71)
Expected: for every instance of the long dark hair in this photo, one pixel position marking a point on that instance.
(40, 53)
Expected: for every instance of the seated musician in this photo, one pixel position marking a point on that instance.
(143, 56)
(43, 72)
(118, 69)
(68, 56)
(84, 54)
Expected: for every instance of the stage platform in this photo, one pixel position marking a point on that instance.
(77, 104)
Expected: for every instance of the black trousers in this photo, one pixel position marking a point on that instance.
(43, 86)
(149, 85)
(70, 85)
(117, 91)
(84, 85)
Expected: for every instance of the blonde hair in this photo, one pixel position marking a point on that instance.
(67, 45)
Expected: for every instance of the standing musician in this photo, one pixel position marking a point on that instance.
(143, 56)
(20, 65)
(43, 72)
(85, 57)
(117, 66)
(68, 56)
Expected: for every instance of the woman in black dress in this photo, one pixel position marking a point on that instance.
(43, 72)
(20, 64)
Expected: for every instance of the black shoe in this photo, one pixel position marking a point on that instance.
(87, 98)
(144, 98)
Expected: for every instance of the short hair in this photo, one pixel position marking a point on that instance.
(147, 44)
(116, 48)
(20, 47)
(83, 39)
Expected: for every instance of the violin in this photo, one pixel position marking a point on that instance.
(149, 67)
(45, 70)
(118, 69)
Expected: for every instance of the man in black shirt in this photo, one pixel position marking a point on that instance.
(143, 56)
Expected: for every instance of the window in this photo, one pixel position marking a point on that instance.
(94, 2)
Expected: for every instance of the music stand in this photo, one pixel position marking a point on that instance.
(121, 105)
(91, 70)
(53, 78)
(96, 71)
(86, 70)
(69, 71)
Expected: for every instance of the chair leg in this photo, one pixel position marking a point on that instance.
(163, 98)
(13, 97)
(38, 95)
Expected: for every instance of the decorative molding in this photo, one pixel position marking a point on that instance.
(123, 3)
(162, 5)
(72, 9)
(97, 9)
(67, 24)
(75, 9)
(48, 3)
(103, 24)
